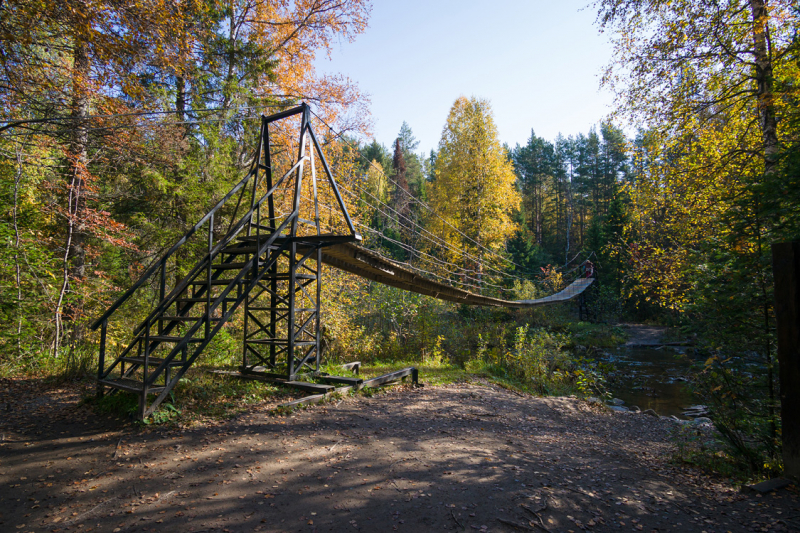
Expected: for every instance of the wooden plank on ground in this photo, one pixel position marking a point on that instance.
(342, 379)
(769, 485)
(374, 382)
(309, 387)
(392, 376)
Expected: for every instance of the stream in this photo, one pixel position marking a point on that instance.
(652, 378)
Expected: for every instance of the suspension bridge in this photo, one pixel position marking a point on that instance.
(292, 220)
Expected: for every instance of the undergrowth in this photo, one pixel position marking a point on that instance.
(713, 454)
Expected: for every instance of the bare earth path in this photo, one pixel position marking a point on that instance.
(467, 457)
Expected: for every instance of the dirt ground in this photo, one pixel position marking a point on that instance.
(466, 457)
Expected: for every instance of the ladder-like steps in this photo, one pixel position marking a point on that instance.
(187, 318)
(248, 264)
(153, 361)
(342, 379)
(202, 299)
(280, 342)
(171, 338)
(130, 385)
(229, 266)
(317, 388)
(284, 308)
(279, 277)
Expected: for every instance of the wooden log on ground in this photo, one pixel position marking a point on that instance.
(354, 367)
(374, 382)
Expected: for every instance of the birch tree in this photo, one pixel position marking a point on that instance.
(474, 191)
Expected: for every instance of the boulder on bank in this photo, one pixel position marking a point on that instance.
(695, 411)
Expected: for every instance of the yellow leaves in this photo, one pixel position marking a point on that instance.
(475, 186)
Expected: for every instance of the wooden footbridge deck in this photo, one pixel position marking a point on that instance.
(367, 264)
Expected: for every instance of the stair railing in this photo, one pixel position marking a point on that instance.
(160, 266)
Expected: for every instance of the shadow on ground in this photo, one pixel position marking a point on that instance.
(465, 457)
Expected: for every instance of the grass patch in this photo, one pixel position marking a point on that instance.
(500, 375)
(713, 455)
(437, 374)
(201, 394)
(121, 404)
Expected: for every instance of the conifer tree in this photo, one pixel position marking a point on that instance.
(400, 198)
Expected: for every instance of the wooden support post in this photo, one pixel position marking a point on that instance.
(786, 269)
(101, 364)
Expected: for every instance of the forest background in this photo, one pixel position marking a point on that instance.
(123, 124)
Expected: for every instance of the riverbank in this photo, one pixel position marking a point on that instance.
(458, 457)
(652, 370)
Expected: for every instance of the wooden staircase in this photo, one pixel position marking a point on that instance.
(263, 262)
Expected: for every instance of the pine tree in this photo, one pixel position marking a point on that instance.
(401, 196)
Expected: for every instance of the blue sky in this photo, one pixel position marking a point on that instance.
(538, 63)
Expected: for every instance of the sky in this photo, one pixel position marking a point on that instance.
(538, 63)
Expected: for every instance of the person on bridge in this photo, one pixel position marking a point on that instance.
(588, 269)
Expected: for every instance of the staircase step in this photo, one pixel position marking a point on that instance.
(284, 277)
(153, 361)
(187, 318)
(324, 237)
(343, 380)
(130, 385)
(280, 341)
(278, 277)
(240, 250)
(234, 250)
(297, 309)
(262, 237)
(201, 299)
(171, 338)
(309, 387)
(229, 266)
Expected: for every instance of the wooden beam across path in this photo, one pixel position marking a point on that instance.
(370, 265)
(374, 382)
(325, 391)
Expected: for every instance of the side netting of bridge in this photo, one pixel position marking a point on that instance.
(371, 265)
(433, 266)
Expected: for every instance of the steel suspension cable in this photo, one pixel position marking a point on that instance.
(420, 202)
(422, 229)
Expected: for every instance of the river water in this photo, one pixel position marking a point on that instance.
(652, 378)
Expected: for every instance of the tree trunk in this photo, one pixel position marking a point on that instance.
(180, 98)
(763, 76)
(74, 252)
(78, 156)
